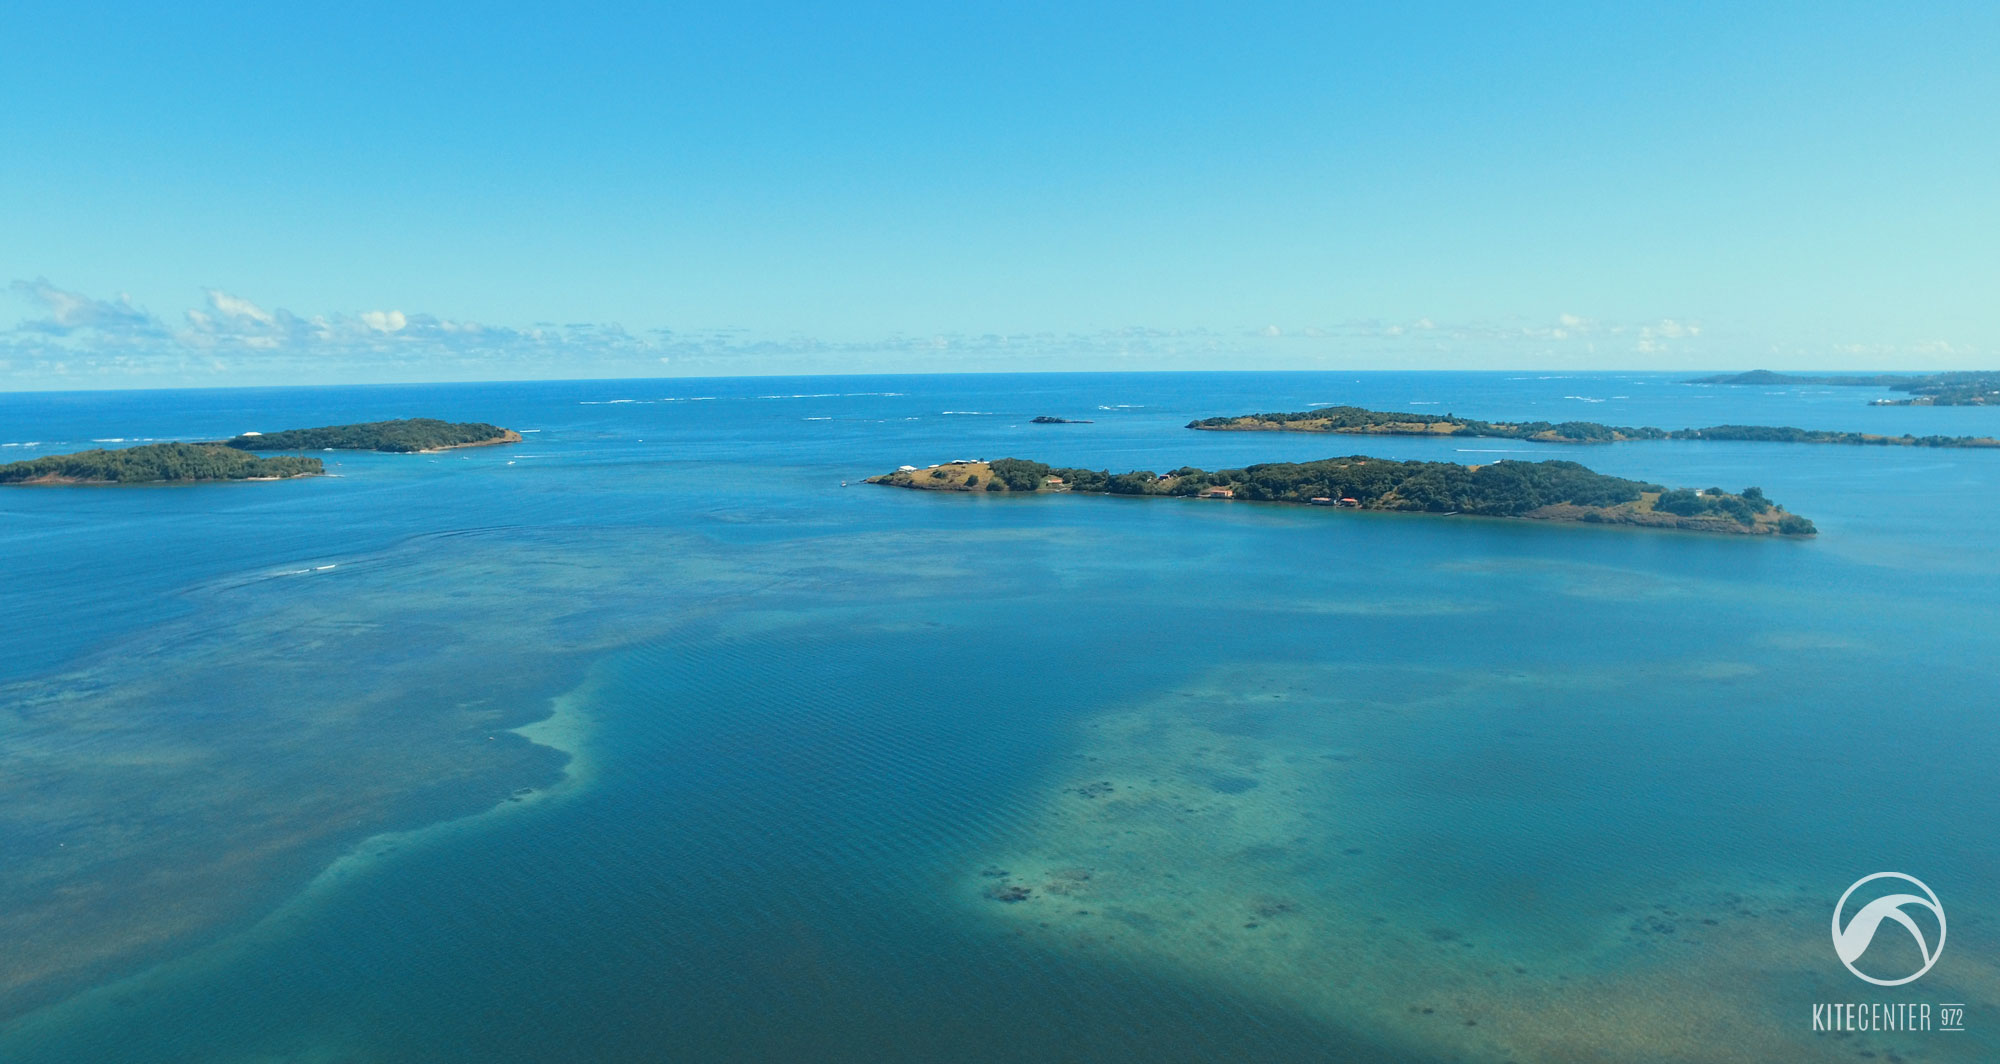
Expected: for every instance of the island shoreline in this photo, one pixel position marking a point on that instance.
(505, 437)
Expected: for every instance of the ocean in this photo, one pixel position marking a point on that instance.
(649, 739)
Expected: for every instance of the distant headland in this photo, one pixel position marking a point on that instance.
(1355, 420)
(1544, 491)
(1047, 420)
(406, 436)
(158, 463)
(1962, 388)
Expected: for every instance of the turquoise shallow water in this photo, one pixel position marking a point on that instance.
(1580, 793)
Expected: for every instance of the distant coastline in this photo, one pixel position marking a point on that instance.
(1354, 420)
(1961, 388)
(1540, 491)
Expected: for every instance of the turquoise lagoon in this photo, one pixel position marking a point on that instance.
(646, 739)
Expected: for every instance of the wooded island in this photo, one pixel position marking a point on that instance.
(1354, 420)
(405, 436)
(1546, 491)
(184, 463)
(179, 463)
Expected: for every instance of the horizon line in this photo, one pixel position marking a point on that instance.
(1549, 372)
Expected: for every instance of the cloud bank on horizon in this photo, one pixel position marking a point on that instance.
(75, 340)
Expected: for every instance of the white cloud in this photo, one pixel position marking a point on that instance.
(73, 339)
(234, 335)
(240, 309)
(70, 312)
(387, 321)
(1920, 349)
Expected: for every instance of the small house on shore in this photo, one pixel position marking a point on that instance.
(1217, 493)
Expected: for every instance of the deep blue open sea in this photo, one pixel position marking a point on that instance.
(646, 739)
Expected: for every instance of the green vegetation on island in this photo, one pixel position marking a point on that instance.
(1960, 388)
(399, 437)
(1549, 491)
(154, 463)
(1355, 420)
(1787, 434)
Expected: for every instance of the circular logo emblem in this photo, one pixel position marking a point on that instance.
(1853, 940)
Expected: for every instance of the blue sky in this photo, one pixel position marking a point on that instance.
(207, 193)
